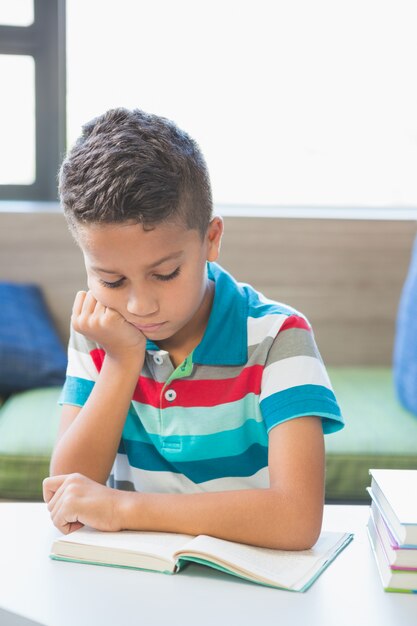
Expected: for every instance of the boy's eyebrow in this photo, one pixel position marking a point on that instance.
(174, 255)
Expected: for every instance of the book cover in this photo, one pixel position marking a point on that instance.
(395, 492)
(399, 581)
(170, 552)
(398, 557)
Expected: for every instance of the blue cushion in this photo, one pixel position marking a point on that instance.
(405, 345)
(31, 353)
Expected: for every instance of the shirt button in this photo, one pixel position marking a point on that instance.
(158, 359)
(170, 395)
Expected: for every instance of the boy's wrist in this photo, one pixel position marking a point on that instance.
(128, 361)
(129, 503)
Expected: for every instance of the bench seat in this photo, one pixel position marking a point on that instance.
(379, 433)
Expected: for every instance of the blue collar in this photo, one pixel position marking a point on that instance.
(225, 340)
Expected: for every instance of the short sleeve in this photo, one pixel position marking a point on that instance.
(295, 382)
(82, 371)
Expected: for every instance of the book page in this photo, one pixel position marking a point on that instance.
(285, 568)
(162, 545)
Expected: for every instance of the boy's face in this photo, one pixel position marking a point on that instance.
(156, 279)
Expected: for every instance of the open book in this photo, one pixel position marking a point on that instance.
(170, 552)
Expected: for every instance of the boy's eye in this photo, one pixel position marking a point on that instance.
(168, 276)
(118, 283)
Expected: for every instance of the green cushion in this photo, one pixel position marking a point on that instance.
(28, 427)
(378, 433)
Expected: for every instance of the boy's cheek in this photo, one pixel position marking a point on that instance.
(106, 297)
(107, 300)
(96, 289)
(100, 295)
(94, 286)
(91, 287)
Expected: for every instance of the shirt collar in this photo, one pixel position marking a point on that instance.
(225, 340)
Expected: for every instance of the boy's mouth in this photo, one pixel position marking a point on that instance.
(148, 327)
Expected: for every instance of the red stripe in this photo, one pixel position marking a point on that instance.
(192, 393)
(295, 321)
(202, 393)
(148, 391)
(98, 358)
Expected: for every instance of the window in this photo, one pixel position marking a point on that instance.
(16, 13)
(293, 103)
(32, 106)
(17, 120)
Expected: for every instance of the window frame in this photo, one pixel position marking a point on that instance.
(44, 40)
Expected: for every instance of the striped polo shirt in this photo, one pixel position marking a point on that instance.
(204, 425)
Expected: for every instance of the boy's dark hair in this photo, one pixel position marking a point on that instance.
(132, 165)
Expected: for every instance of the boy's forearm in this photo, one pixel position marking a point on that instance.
(260, 517)
(90, 444)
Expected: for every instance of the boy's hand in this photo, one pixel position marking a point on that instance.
(75, 500)
(106, 327)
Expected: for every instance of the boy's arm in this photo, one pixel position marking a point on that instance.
(89, 436)
(287, 515)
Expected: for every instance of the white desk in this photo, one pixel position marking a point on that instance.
(63, 594)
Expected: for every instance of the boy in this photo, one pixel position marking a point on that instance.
(192, 404)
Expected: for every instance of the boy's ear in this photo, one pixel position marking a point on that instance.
(214, 238)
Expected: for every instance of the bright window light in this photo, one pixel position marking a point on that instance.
(17, 120)
(16, 12)
(294, 103)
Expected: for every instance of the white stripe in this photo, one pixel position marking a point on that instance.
(291, 372)
(169, 482)
(266, 326)
(81, 365)
(211, 420)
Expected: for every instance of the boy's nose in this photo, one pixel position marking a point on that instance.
(142, 307)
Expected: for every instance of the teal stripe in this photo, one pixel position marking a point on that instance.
(75, 391)
(145, 457)
(303, 400)
(193, 448)
(198, 421)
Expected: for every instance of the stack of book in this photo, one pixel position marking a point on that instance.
(392, 527)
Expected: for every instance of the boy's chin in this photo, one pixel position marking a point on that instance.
(163, 340)
(161, 334)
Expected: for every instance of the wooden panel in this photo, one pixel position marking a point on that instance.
(345, 275)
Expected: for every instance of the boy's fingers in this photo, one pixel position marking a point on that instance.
(78, 302)
(75, 526)
(89, 304)
(51, 485)
(63, 519)
(100, 308)
(63, 514)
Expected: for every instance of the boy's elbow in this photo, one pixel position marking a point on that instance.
(296, 541)
(307, 539)
(302, 527)
(307, 530)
